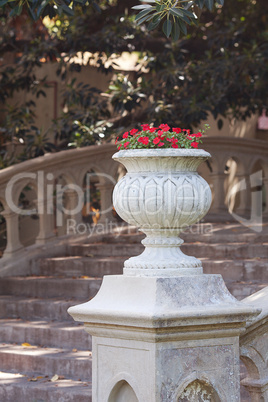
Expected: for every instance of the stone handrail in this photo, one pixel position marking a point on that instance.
(254, 348)
(250, 156)
(42, 174)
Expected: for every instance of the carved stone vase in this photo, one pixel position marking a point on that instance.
(162, 194)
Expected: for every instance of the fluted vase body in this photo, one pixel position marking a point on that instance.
(162, 194)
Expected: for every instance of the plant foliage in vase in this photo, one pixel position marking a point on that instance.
(160, 137)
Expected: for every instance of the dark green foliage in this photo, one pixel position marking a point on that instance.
(219, 67)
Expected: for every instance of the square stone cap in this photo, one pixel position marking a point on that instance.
(163, 302)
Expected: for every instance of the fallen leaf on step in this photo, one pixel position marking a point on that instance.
(39, 377)
(74, 350)
(28, 345)
(54, 378)
(89, 255)
(84, 277)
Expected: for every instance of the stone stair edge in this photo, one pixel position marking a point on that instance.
(31, 387)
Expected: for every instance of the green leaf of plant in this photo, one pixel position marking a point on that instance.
(183, 27)
(142, 14)
(188, 13)
(177, 13)
(200, 3)
(167, 26)
(175, 33)
(153, 24)
(142, 7)
(144, 19)
(67, 10)
(3, 2)
(16, 10)
(209, 4)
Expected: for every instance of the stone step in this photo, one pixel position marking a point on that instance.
(106, 249)
(231, 269)
(199, 250)
(32, 388)
(46, 287)
(206, 234)
(238, 270)
(227, 251)
(45, 334)
(36, 309)
(46, 361)
(77, 266)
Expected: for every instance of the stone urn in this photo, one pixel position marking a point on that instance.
(162, 194)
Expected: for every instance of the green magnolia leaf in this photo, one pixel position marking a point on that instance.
(146, 18)
(160, 7)
(142, 14)
(209, 4)
(67, 10)
(175, 32)
(16, 10)
(188, 13)
(200, 3)
(154, 23)
(176, 12)
(142, 7)
(3, 2)
(167, 27)
(183, 27)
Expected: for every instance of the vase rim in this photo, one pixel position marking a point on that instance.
(167, 152)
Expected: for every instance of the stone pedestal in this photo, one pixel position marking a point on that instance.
(163, 339)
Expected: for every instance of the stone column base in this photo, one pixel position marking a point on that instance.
(161, 339)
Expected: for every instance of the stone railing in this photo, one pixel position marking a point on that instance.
(254, 348)
(57, 183)
(246, 172)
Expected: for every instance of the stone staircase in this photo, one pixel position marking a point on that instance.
(45, 356)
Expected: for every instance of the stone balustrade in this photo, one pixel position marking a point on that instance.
(58, 182)
(247, 174)
(254, 348)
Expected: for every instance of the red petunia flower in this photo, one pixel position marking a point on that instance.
(187, 131)
(119, 146)
(194, 144)
(116, 141)
(145, 140)
(125, 135)
(133, 131)
(176, 130)
(164, 127)
(159, 133)
(152, 129)
(156, 140)
(126, 144)
(161, 144)
(197, 135)
(175, 145)
(145, 127)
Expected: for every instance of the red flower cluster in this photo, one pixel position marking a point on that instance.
(160, 137)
